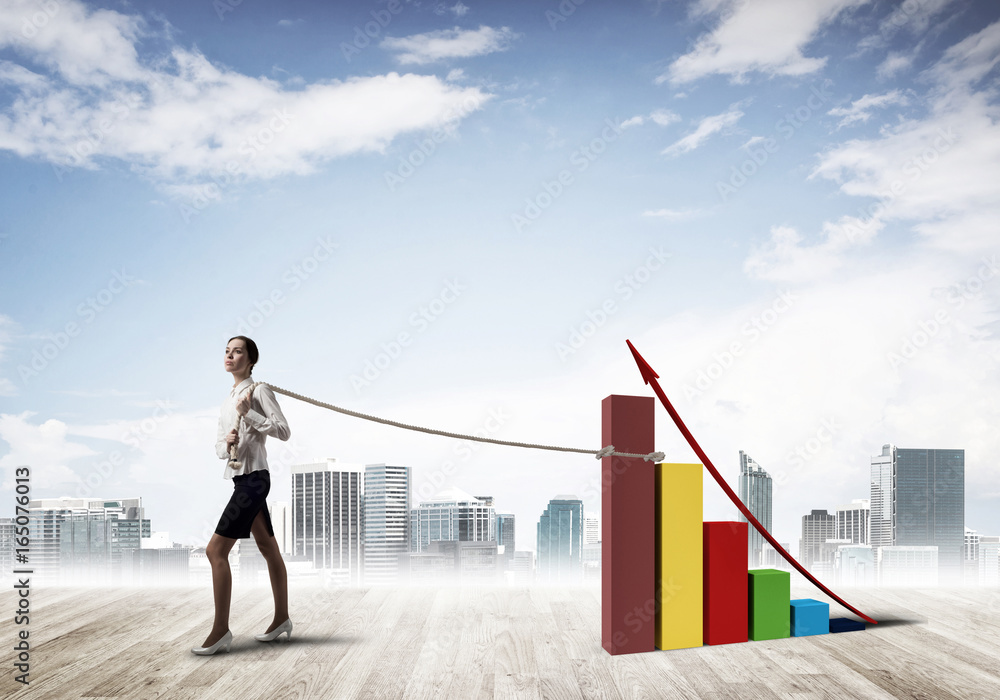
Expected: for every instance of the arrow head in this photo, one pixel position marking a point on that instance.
(648, 373)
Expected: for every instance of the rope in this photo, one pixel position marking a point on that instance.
(608, 451)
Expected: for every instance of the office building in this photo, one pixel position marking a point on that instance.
(7, 546)
(505, 536)
(755, 492)
(989, 561)
(971, 545)
(454, 515)
(817, 527)
(853, 521)
(387, 521)
(326, 517)
(591, 531)
(855, 565)
(523, 568)
(281, 521)
(908, 566)
(80, 541)
(560, 541)
(918, 500)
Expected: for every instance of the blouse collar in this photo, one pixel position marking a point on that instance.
(241, 386)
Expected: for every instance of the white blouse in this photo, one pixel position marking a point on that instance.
(263, 418)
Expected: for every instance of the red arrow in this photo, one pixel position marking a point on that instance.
(650, 376)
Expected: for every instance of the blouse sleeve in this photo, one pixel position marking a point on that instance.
(273, 421)
(221, 448)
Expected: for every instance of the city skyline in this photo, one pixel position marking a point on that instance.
(748, 466)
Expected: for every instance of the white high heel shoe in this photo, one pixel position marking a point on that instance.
(284, 628)
(224, 644)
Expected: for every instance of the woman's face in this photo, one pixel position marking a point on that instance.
(237, 361)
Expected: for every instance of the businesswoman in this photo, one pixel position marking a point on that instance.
(246, 512)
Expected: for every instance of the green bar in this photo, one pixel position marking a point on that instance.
(769, 597)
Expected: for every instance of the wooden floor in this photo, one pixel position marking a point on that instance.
(481, 643)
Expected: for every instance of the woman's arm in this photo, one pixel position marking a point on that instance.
(221, 448)
(272, 422)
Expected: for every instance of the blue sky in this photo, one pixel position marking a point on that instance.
(789, 207)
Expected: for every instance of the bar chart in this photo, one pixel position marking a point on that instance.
(670, 579)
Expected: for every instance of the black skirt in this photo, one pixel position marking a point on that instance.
(249, 494)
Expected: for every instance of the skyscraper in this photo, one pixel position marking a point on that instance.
(560, 540)
(755, 492)
(505, 536)
(817, 527)
(387, 520)
(921, 494)
(326, 516)
(881, 497)
(452, 514)
(281, 521)
(853, 521)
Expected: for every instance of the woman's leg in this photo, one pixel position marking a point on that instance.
(217, 552)
(269, 549)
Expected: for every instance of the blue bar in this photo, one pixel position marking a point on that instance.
(809, 617)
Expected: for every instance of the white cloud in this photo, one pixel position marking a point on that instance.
(43, 447)
(660, 117)
(448, 43)
(459, 9)
(184, 118)
(914, 17)
(784, 259)
(765, 35)
(664, 117)
(92, 48)
(706, 127)
(861, 109)
(894, 63)
(941, 173)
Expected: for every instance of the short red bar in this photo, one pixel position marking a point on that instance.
(725, 576)
(628, 555)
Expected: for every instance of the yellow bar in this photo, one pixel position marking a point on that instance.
(679, 556)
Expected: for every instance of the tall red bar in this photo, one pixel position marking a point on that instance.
(628, 555)
(725, 576)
